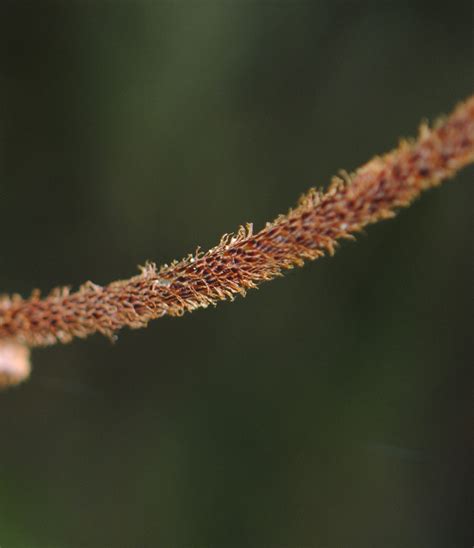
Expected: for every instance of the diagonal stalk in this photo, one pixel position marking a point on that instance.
(243, 260)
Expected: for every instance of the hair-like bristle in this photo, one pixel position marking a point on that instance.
(243, 260)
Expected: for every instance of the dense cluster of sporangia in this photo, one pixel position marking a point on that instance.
(241, 261)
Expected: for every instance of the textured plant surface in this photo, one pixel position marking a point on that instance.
(241, 261)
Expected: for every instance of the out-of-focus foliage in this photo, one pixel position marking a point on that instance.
(330, 409)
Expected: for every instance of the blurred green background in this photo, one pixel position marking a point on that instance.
(332, 408)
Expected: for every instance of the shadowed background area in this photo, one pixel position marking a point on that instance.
(331, 408)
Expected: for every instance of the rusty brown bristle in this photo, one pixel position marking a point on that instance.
(243, 260)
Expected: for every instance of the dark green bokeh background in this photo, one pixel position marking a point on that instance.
(332, 408)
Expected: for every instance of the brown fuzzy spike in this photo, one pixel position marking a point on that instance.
(243, 260)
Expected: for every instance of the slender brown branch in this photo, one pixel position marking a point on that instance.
(241, 261)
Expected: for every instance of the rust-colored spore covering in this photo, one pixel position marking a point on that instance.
(241, 261)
